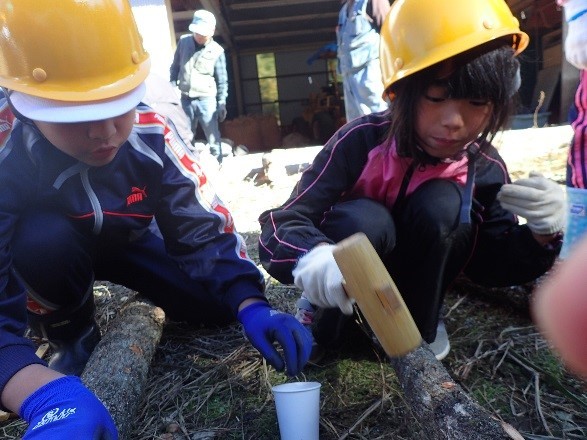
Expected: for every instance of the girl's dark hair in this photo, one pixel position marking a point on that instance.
(491, 76)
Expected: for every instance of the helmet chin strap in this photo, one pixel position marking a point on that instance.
(467, 205)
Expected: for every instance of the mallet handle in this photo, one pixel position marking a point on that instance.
(377, 296)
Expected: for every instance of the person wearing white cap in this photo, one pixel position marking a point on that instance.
(199, 71)
(575, 13)
(97, 185)
(575, 49)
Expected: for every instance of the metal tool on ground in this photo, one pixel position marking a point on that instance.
(368, 282)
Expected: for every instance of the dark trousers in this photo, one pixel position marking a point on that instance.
(204, 112)
(58, 264)
(421, 244)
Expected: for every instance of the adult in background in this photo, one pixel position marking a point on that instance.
(199, 70)
(575, 12)
(359, 23)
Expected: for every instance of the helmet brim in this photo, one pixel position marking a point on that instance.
(50, 110)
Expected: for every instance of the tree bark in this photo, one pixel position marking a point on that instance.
(444, 409)
(118, 368)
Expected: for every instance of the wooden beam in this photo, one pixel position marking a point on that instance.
(273, 35)
(269, 4)
(305, 18)
(171, 23)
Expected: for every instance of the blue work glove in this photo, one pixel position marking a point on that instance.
(64, 409)
(264, 325)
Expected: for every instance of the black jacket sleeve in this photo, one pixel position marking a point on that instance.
(505, 253)
(291, 230)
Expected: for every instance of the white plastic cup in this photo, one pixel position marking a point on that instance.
(298, 410)
(576, 226)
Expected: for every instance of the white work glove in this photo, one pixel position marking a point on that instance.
(318, 275)
(539, 200)
(576, 39)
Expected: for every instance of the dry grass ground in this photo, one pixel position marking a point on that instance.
(211, 384)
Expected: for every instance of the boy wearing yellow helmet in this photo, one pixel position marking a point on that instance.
(422, 179)
(96, 185)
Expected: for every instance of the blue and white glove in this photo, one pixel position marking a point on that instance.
(318, 275)
(264, 325)
(64, 409)
(576, 39)
(539, 200)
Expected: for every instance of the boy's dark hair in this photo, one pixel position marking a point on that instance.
(490, 76)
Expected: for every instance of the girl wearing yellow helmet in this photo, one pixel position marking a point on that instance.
(421, 179)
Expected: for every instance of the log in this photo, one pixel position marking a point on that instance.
(118, 368)
(444, 409)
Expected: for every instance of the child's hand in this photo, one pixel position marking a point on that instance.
(264, 325)
(539, 200)
(63, 409)
(318, 275)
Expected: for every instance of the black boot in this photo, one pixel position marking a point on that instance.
(72, 334)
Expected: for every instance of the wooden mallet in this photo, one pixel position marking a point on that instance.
(367, 281)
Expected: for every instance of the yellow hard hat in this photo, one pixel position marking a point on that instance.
(419, 33)
(70, 50)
